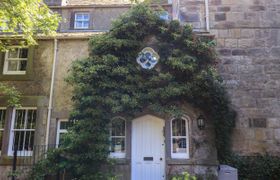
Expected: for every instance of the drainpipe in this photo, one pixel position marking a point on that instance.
(51, 93)
(207, 15)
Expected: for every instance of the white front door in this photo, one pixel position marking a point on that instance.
(148, 148)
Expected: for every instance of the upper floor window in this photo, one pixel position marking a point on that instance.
(22, 131)
(81, 20)
(2, 123)
(15, 61)
(179, 138)
(117, 138)
(62, 126)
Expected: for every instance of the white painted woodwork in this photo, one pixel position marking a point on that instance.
(148, 141)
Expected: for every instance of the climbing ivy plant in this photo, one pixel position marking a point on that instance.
(110, 83)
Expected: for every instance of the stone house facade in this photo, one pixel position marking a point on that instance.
(248, 43)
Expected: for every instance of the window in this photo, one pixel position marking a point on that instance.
(179, 138)
(62, 126)
(117, 138)
(81, 21)
(2, 123)
(15, 61)
(22, 131)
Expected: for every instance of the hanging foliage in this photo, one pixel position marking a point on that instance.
(111, 82)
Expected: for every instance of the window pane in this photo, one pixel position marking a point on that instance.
(86, 17)
(13, 53)
(12, 65)
(19, 121)
(2, 118)
(86, 24)
(79, 16)
(29, 140)
(23, 53)
(179, 145)
(1, 138)
(79, 24)
(22, 65)
(31, 118)
(118, 127)
(179, 127)
(18, 140)
(63, 125)
(61, 136)
(118, 145)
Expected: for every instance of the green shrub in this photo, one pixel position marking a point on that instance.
(184, 176)
(260, 167)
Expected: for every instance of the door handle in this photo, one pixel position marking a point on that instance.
(160, 159)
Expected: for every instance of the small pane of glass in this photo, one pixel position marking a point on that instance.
(23, 53)
(118, 145)
(13, 53)
(19, 121)
(179, 127)
(12, 65)
(118, 127)
(22, 65)
(2, 118)
(31, 118)
(179, 145)
(64, 125)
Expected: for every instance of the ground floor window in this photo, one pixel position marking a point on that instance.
(2, 123)
(62, 126)
(22, 131)
(118, 138)
(179, 138)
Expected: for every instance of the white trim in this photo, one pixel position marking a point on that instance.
(55, 49)
(11, 138)
(7, 59)
(207, 22)
(82, 20)
(59, 131)
(180, 155)
(118, 154)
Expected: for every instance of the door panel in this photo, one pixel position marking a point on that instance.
(148, 148)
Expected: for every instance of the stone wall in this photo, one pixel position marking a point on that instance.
(248, 42)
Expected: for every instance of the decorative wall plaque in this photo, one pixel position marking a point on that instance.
(147, 58)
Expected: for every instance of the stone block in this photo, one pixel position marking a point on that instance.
(257, 123)
(223, 9)
(224, 33)
(231, 43)
(273, 122)
(260, 135)
(224, 52)
(234, 33)
(277, 134)
(245, 43)
(239, 52)
(257, 8)
(220, 16)
(247, 33)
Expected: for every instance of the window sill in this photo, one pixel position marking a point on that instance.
(15, 77)
(191, 162)
(8, 160)
(120, 161)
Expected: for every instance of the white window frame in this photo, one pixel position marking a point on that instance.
(2, 129)
(7, 59)
(185, 155)
(118, 155)
(11, 139)
(82, 20)
(59, 131)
